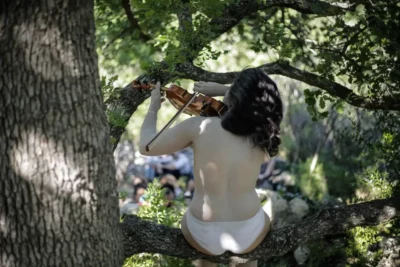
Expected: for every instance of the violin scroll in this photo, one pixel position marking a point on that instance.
(141, 85)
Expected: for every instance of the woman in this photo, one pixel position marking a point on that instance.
(225, 212)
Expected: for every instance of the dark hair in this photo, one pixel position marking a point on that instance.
(255, 110)
(138, 186)
(168, 189)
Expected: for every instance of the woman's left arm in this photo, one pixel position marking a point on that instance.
(171, 140)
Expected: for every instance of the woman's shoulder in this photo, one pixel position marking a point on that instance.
(202, 121)
(202, 124)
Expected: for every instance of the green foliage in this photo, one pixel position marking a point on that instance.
(340, 177)
(317, 111)
(359, 248)
(375, 183)
(353, 17)
(158, 212)
(368, 46)
(322, 253)
(108, 89)
(311, 180)
(117, 117)
(359, 242)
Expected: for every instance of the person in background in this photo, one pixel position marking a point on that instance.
(139, 192)
(138, 180)
(169, 194)
(150, 167)
(162, 161)
(179, 166)
(170, 179)
(188, 152)
(190, 185)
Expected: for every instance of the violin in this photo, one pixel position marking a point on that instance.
(201, 105)
(192, 104)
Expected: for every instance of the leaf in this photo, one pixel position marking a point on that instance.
(324, 114)
(340, 107)
(309, 97)
(360, 10)
(149, 13)
(322, 103)
(351, 19)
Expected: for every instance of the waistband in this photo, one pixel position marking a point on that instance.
(260, 212)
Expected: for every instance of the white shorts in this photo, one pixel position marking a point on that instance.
(218, 237)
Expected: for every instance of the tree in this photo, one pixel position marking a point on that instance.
(318, 43)
(59, 202)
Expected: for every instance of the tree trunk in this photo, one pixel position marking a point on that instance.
(58, 199)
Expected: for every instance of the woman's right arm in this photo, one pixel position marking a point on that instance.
(210, 88)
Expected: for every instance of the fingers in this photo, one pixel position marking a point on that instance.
(157, 90)
(198, 87)
(156, 96)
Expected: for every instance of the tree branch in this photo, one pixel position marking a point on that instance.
(130, 99)
(134, 23)
(309, 6)
(190, 71)
(185, 18)
(123, 32)
(235, 12)
(144, 236)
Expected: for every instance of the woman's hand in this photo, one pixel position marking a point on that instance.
(210, 88)
(156, 98)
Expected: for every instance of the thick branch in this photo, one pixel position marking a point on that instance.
(308, 6)
(282, 68)
(132, 20)
(143, 236)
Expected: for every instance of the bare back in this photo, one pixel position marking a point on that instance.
(226, 168)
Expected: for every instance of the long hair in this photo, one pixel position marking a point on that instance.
(255, 110)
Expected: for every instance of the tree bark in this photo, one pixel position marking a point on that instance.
(58, 199)
(190, 71)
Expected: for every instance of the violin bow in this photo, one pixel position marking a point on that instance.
(152, 141)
